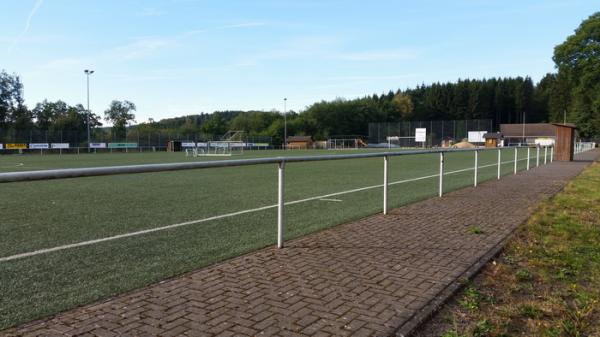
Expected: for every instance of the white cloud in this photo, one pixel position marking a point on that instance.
(36, 6)
(66, 64)
(140, 48)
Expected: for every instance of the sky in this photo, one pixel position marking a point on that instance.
(182, 57)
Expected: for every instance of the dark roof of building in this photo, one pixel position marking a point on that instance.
(528, 130)
(569, 125)
(493, 135)
(299, 139)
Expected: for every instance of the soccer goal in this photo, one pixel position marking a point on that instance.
(345, 143)
(401, 142)
(216, 148)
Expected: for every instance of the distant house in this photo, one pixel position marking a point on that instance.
(493, 139)
(299, 142)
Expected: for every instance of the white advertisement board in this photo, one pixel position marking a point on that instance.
(544, 141)
(420, 135)
(98, 145)
(1, 146)
(476, 136)
(188, 144)
(39, 146)
(59, 145)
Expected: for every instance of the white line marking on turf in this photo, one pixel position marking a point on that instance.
(13, 166)
(325, 199)
(223, 216)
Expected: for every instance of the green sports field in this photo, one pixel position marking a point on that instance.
(45, 214)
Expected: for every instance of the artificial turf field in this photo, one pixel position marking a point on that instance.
(44, 214)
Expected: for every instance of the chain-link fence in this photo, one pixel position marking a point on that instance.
(154, 139)
(437, 132)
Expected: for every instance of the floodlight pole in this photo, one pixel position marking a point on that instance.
(87, 74)
(285, 123)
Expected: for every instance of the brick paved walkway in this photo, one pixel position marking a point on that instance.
(375, 276)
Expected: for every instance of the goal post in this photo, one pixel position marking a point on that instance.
(401, 142)
(216, 148)
(344, 143)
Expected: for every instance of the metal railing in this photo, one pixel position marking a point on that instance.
(281, 162)
(584, 146)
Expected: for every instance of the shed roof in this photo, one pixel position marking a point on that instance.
(528, 130)
(493, 135)
(299, 139)
(568, 125)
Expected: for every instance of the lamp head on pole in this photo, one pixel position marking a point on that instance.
(88, 72)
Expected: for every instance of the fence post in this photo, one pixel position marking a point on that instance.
(280, 203)
(441, 192)
(537, 156)
(476, 167)
(545, 155)
(528, 151)
(552, 154)
(516, 158)
(385, 184)
(499, 162)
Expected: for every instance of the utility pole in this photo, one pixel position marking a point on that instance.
(87, 74)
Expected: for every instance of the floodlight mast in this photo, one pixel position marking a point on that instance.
(87, 74)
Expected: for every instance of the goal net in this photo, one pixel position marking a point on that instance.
(345, 143)
(216, 148)
(402, 142)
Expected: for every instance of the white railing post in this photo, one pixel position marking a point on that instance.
(552, 154)
(545, 155)
(441, 185)
(516, 158)
(385, 184)
(528, 151)
(537, 156)
(499, 162)
(280, 204)
(476, 167)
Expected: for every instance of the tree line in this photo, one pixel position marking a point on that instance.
(570, 94)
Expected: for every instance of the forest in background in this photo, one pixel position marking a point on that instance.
(572, 93)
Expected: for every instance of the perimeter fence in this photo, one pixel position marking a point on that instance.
(437, 131)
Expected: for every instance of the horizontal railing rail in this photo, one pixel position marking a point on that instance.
(9, 177)
(149, 168)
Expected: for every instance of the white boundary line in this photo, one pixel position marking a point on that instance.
(228, 215)
(13, 166)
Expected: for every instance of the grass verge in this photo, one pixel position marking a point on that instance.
(545, 283)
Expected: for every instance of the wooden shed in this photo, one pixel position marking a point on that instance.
(492, 139)
(299, 142)
(559, 135)
(565, 141)
(174, 146)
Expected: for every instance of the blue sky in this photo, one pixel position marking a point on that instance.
(180, 57)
